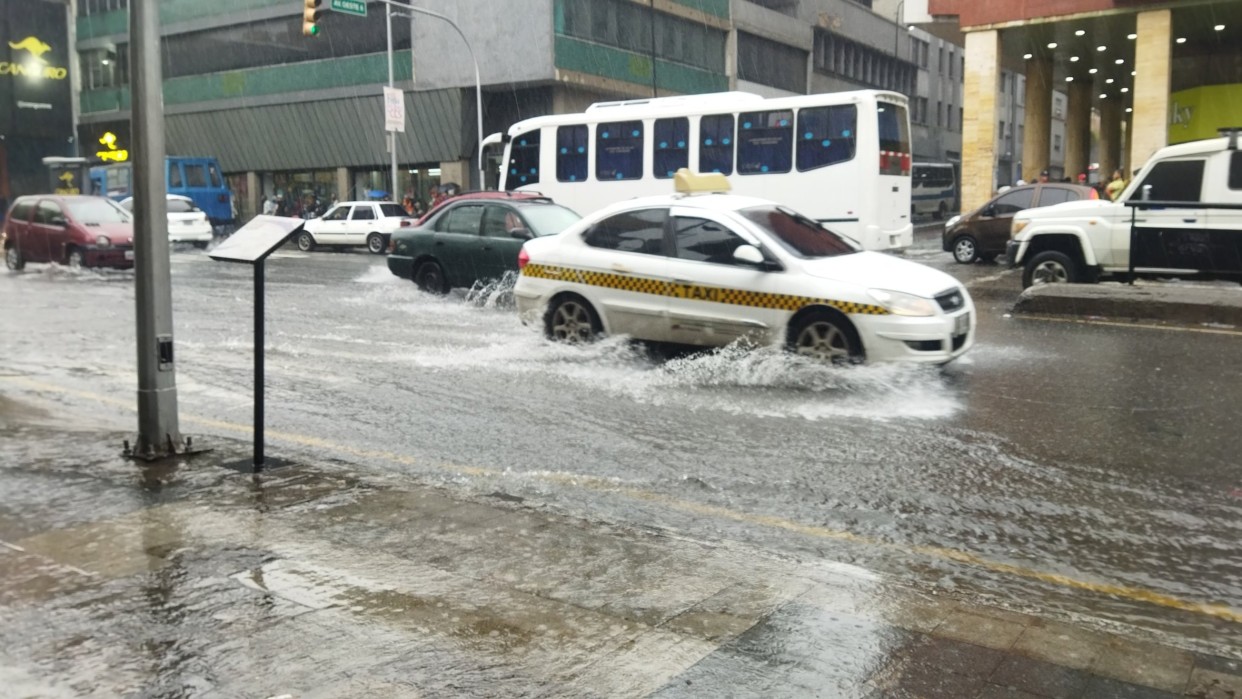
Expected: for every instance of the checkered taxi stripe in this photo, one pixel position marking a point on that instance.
(716, 294)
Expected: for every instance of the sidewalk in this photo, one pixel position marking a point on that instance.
(317, 580)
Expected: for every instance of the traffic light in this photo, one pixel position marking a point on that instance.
(310, 17)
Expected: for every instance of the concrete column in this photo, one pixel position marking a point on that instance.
(1110, 136)
(1127, 141)
(1078, 129)
(342, 184)
(982, 89)
(1037, 141)
(1152, 58)
(456, 171)
(253, 195)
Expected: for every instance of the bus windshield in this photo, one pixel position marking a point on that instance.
(797, 233)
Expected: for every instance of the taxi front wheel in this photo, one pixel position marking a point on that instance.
(571, 319)
(825, 336)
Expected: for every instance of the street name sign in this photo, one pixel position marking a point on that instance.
(350, 7)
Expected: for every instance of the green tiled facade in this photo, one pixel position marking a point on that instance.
(269, 80)
(607, 62)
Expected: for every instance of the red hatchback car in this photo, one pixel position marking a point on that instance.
(78, 231)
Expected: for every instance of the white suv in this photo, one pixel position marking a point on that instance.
(355, 223)
(1181, 216)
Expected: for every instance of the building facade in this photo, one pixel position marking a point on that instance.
(302, 117)
(1135, 75)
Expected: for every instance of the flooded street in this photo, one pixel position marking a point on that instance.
(1083, 470)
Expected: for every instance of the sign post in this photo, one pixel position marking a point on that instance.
(252, 244)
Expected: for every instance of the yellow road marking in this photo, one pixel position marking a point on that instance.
(1141, 326)
(1135, 594)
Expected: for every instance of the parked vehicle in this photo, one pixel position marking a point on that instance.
(933, 189)
(473, 238)
(186, 222)
(199, 178)
(841, 157)
(481, 195)
(354, 224)
(982, 234)
(73, 230)
(711, 269)
(1183, 213)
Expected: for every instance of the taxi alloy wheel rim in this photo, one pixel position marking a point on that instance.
(304, 242)
(1050, 272)
(375, 244)
(823, 341)
(964, 250)
(571, 322)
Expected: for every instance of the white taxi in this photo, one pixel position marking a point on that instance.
(704, 267)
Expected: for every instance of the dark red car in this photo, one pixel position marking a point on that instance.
(78, 231)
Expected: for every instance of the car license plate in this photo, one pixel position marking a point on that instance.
(129, 254)
(961, 324)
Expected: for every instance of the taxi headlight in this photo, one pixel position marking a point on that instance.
(903, 304)
(103, 241)
(950, 222)
(1016, 227)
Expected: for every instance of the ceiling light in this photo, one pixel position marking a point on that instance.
(1103, 95)
(1069, 78)
(1110, 81)
(1101, 48)
(1131, 37)
(106, 62)
(1133, 73)
(1181, 39)
(1219, 27)
(1125, 89)
(1093, 71)
(1129, 109)
(1080, 32)
(1119, 61)
(1027, 56)
(1052, 45)
(1073, 59)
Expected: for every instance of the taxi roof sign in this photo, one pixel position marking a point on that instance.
(687, 182)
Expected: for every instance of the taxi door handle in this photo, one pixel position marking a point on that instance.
(622, 269)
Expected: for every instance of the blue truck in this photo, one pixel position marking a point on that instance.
(199, 178)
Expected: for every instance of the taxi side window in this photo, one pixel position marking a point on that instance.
(702, 240)
(21, 212)
(633, 231)
(47, 211)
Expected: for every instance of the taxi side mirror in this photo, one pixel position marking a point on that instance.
(521, 233)
(748, 254)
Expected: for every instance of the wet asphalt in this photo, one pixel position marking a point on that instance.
(1083, 468)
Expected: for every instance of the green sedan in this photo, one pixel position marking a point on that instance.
(475, 238)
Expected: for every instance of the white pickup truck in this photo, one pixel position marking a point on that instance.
(1181, 216)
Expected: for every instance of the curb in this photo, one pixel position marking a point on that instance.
(1172, 303)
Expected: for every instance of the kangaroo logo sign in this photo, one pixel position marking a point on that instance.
(35, 66)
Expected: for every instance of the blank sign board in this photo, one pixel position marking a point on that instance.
(256, 240)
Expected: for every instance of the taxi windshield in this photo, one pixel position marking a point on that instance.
(97, 210)
(798, 234)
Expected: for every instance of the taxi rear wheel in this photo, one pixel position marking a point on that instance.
(572, 320)
(13, 258)
(825, 336)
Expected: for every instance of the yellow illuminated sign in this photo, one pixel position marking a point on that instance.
(36, 67)
(116, 155)
(68, 186)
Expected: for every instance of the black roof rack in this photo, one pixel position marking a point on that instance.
(1232, 133)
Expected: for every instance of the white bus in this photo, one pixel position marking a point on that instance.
(842, 158)
(933, 189)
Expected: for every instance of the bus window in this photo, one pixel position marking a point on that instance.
(894, 139)
(523, 160)
(827, 136)
(672, 137)
(571, 153)
(619, 151)
(765, 142)
(174, 176)
(215, 175)
(716, 144)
